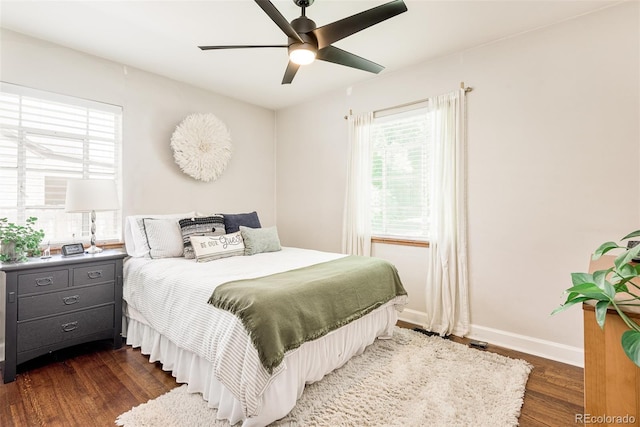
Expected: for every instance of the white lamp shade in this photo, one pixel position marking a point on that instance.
(86, 195)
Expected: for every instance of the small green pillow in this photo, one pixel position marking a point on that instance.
(259, 240)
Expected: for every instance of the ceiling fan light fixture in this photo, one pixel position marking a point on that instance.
(302, 54)
(307, 42)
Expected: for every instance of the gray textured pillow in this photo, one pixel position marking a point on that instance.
(259, 240)
(200, 226)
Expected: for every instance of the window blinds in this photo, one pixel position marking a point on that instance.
(46, 138)
(400, 174)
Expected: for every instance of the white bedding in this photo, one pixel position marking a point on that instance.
(167, 300)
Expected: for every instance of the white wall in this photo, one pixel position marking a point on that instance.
(553, 153)
(152, 107)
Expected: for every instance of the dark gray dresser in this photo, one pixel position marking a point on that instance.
(59, 302)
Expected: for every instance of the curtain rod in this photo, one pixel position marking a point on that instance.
(467, 89)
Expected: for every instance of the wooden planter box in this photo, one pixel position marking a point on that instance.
(611, 380)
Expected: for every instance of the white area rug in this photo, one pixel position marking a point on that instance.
(410, 380)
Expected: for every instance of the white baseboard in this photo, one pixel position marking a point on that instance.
(526, 344)
(413, 316)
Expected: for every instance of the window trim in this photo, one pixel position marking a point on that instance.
(57, 97)
(399, 241)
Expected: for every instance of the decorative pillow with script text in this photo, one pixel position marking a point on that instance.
(209, 248)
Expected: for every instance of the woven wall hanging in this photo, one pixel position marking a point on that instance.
(201, 146)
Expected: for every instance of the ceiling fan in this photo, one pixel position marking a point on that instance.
(307, 43)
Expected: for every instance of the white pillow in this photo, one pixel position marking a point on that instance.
(208, 248)
(163, 237)
(135, 240)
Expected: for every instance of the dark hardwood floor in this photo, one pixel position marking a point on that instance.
(90, 385)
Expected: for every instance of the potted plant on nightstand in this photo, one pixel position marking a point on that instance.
(614, 287)
(19, 241)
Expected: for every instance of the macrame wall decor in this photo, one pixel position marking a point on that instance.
(201, 146)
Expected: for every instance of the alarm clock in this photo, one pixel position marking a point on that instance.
(72, 249)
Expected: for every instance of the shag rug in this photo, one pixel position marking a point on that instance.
(409, 380)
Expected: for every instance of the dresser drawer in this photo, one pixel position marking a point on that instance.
(69, 299)
(44, 281)
(96, 273)
(52, 330)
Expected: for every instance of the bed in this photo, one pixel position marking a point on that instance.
(169, 316)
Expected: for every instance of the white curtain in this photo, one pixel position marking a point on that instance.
(447, 294)
(356, 230)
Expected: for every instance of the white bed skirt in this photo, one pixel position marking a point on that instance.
(306, 364)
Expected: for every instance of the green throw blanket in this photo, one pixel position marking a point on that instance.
(284, 310)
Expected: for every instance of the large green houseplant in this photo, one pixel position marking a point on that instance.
(615, 287)
(19, 241)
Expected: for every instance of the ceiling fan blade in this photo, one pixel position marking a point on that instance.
(240, 46)
(342, 57)
(290, 73)
(338, 30)
(280, 20)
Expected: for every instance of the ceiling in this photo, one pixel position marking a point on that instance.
(162, 37)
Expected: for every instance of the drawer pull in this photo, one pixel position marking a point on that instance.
(44, 281)
(94, 274)
(71, 300)
(71, 326)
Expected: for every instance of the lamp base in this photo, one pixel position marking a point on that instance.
(93, 250)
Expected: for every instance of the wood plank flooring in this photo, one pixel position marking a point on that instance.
(91, 384)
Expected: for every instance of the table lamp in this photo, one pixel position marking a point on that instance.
(91, 195)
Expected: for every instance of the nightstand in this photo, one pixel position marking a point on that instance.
(50, 304)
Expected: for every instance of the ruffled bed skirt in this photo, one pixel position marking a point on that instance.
(307, 364)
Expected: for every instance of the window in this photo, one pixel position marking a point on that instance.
(400, 176)
(46, 138)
